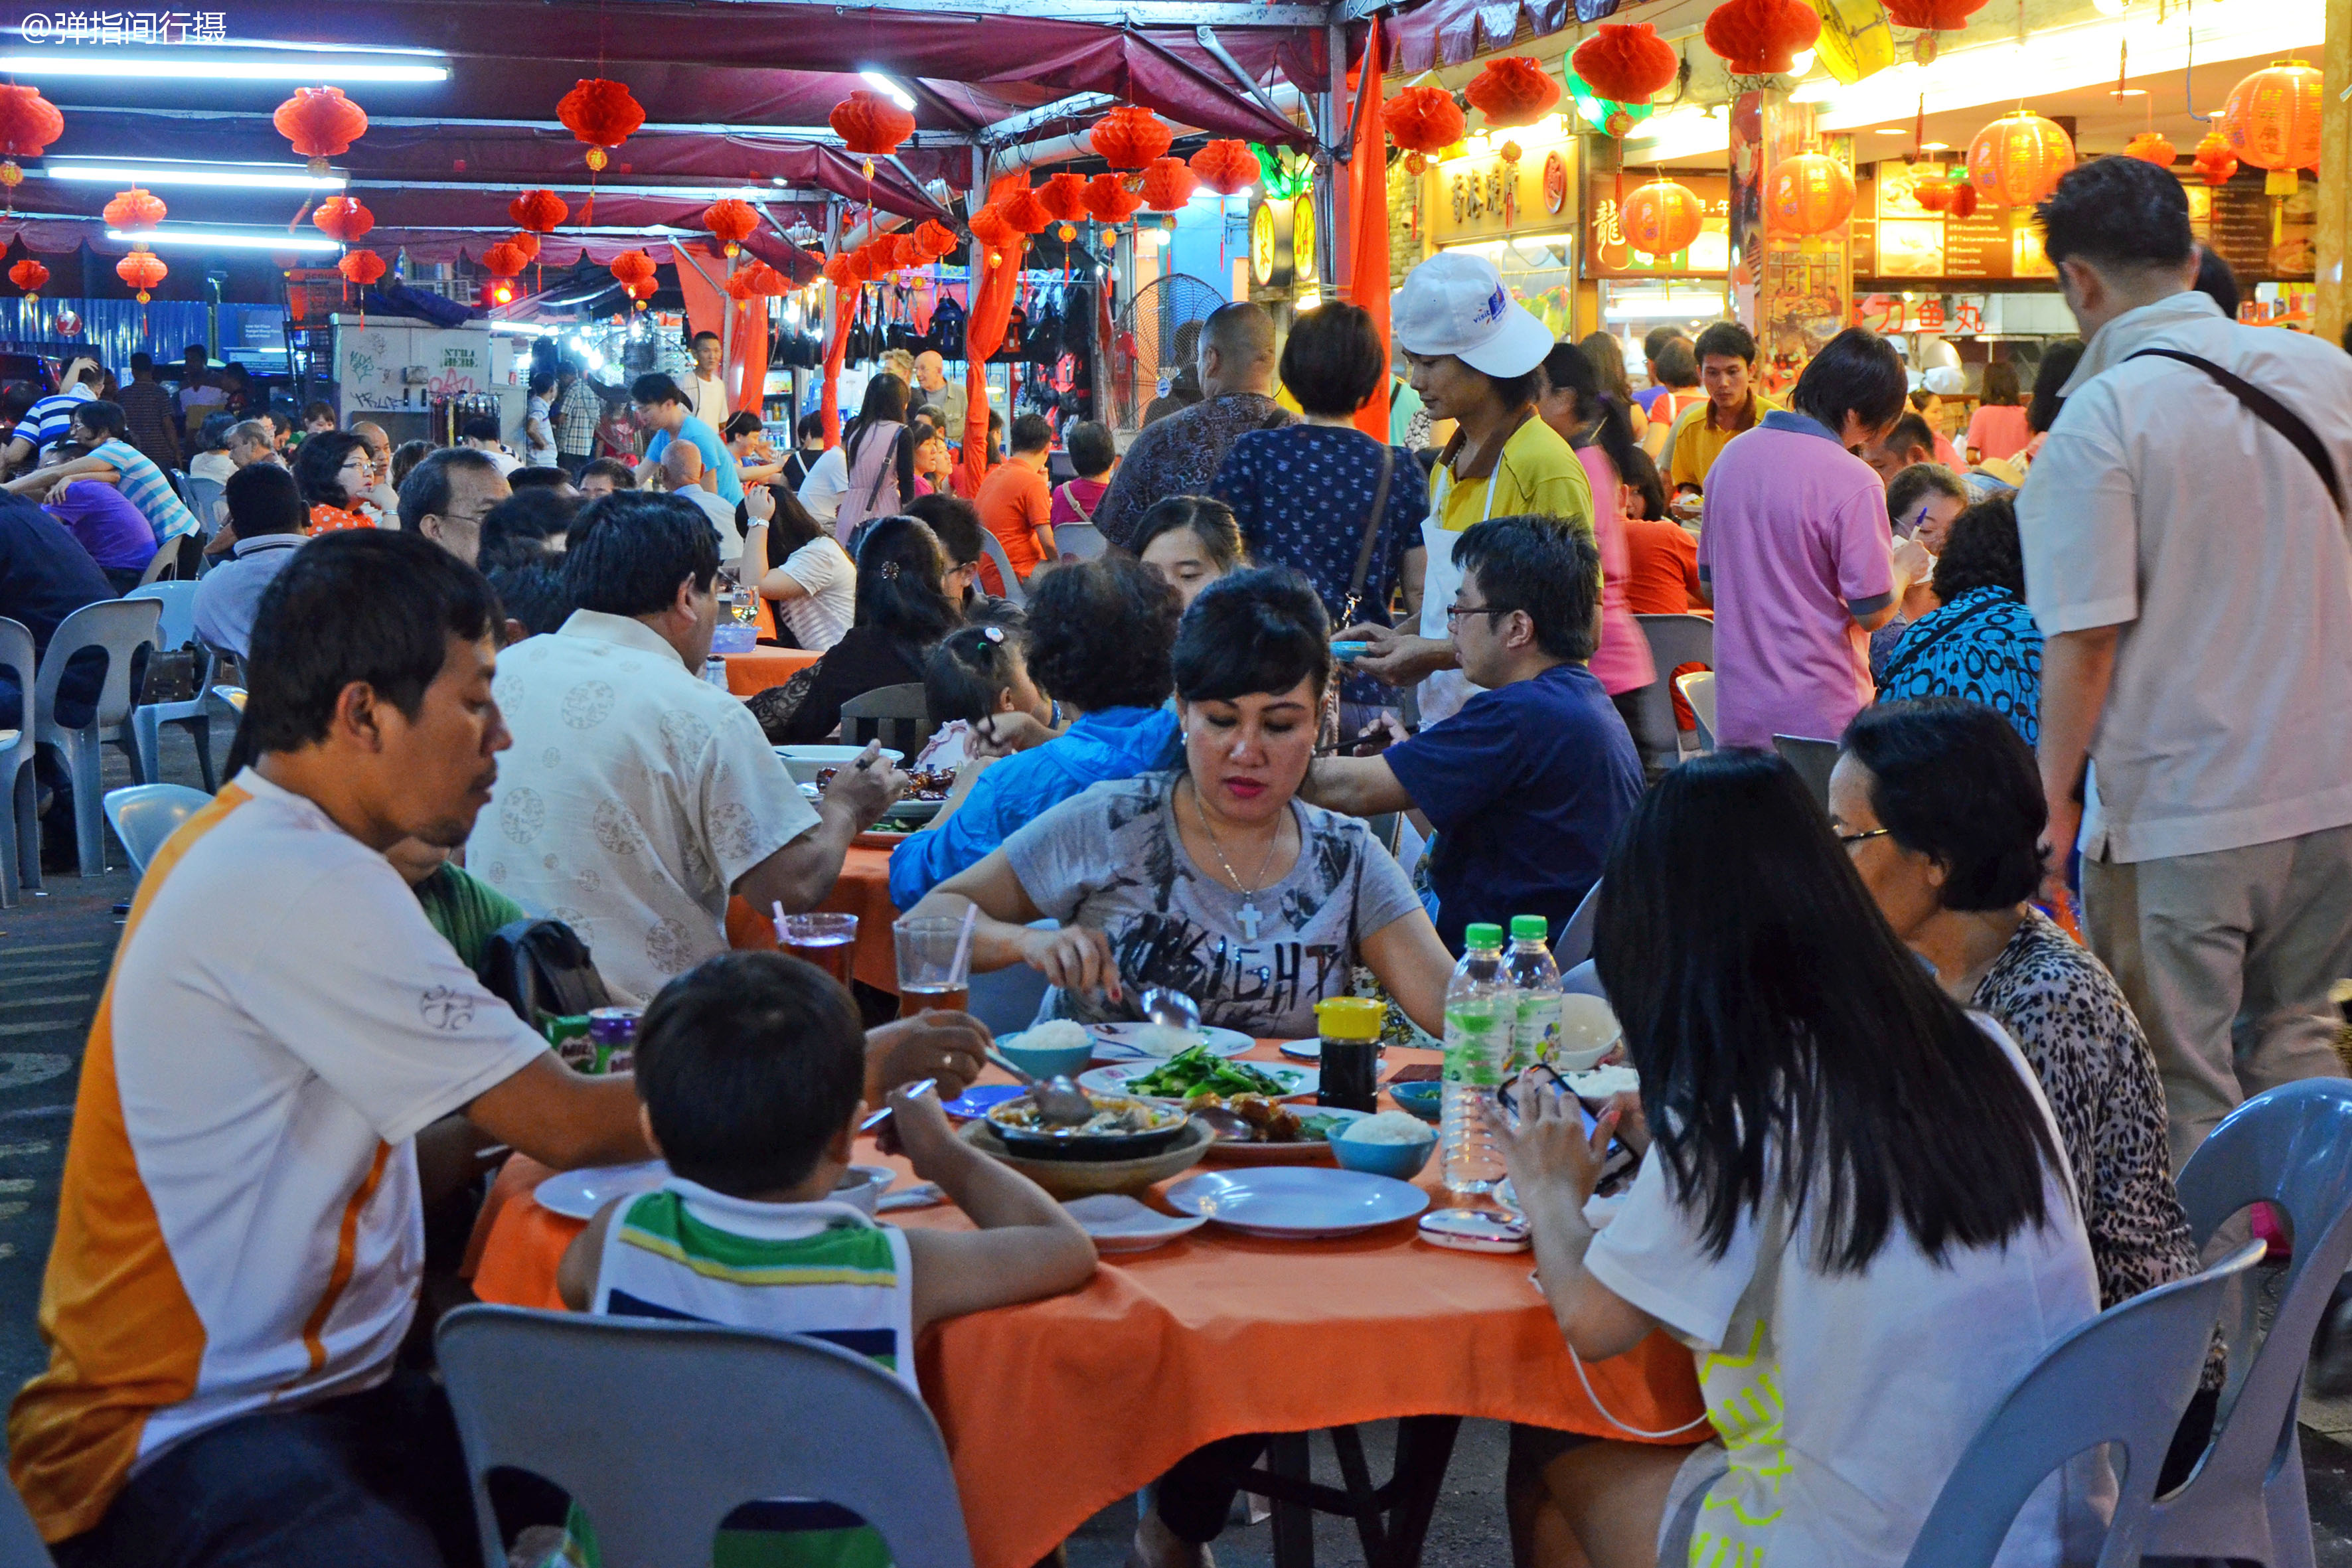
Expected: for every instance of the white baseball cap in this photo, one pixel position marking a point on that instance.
(1455, 304)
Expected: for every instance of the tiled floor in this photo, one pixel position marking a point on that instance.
(54, 951)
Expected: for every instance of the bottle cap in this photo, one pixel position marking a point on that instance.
(1484, 933)
(1530, 927)
(1349, 1017)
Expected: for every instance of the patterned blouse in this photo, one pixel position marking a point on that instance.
(1983, 645)
(2070, 1020)
(1178, 456)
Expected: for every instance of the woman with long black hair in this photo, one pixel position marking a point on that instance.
(1852, 1205)
(880, 454)
(902, 608)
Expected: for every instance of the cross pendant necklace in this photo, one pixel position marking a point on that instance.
(1248, 913)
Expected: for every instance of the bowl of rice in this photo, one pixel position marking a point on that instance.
(1389, 1144)
(1043, 1050)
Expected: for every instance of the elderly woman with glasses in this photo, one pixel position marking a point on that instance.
(337, 476)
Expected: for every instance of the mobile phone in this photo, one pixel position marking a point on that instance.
(1349, 652)
(1511, 1105)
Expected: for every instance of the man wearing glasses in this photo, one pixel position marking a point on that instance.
(1528, 783)
(445, 497)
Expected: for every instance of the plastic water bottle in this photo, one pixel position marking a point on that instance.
(1535, 1034)
(1481, 1009)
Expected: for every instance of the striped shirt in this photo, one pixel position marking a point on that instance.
(48, 422)
(148, 490)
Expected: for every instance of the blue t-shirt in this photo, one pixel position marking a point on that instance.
(1526, 786)
(1116, 743)
(714, 455)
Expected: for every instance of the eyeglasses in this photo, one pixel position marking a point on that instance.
(1454, 613)
(1851, 840)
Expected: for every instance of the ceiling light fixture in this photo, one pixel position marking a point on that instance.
(227, 239)
(226, 176)
(888, 89)
(338, 68)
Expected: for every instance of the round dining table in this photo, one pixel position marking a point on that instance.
(862, 889)
(1054, 1409)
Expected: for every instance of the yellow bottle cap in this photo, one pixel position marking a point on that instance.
(1349, 1017)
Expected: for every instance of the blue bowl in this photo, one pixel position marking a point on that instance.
(1423, 1099)
(1402, 1160)
(1046, 1061)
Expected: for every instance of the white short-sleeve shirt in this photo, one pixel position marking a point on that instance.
(633, 797)
(823, 567)
(239, 1224)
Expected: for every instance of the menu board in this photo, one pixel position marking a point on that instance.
(1977, 245)
(2236, 220)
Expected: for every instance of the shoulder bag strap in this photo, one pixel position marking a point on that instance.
(1904, 658)
(1070, 497)
(2269, 410)
(1372, 534)
(889, 466)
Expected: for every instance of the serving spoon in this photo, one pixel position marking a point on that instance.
(1059, 1103)
(1170, 1009)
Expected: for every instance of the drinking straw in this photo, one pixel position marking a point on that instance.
(779, 906)
(964, 942)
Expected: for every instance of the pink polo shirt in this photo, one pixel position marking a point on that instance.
(1795, 530)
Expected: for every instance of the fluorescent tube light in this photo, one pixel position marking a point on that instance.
(336, 68)
(227, 239)
(258, 177)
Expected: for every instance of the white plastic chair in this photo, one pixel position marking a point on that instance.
(1698, 689)
(1575, 943)
(659, 1430)
(993, 548)
(144, 815)
(1078, 541)
(1674, 641)
(2124, 1378)
(1812, 759)
(119, 628)
(20, 826)
(147, 720)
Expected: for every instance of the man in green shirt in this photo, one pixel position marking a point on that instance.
(459, 905)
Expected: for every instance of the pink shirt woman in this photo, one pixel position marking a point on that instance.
(1622, 662)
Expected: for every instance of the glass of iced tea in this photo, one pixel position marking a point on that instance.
(827, 940)
(930, 977)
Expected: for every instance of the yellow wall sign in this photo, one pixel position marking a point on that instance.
(1302, 239)
(1488, 196)
(1281, 242)
(1263, 247)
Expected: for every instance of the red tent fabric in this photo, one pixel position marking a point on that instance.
(1368, 220)
(1447, 32)
(992, 313)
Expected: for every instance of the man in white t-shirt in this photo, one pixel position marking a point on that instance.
(481, 434)
(828, 482)
(706, 389)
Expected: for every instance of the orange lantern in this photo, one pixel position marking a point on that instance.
(1761, 37)
(1807, 195)
(527, 243)
(632, 266)
(1625, 64)
(1168, 184)
(732, 221)
(504, 259)
(360, 267)
(2018, 159)
(1933, 16)
(1661, 218)
(870, 125)
(2151, 147)
(1423, 120)
(1130, 138)
(2214, 162)
(1064, 197)
(1929, 188)
(1024, 214)
(28, 123)
(342, 219)
(840, 272)
(320, 123)
(743, 284)
(1109, 200)
(601, 113)
(934, 239)
(1512, 91)
(2271, 120)
(29, 274)
(641, 292)
(989, 227)
(1226, 166)
(136, 208)
(143, 271)
(539, 211)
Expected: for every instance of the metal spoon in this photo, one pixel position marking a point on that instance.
(1060, 1103)
(1170, 1009)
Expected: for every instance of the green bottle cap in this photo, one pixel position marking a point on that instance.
(1530, 927)
(1485, 933)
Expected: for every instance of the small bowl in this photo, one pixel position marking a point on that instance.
(1047, 1061)
(862, 1187)
(1402, 1160)
(804, 762)
(1423, 1099)
(1589, 1030)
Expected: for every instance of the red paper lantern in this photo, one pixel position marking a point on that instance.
(1109, 201)
(641, 292)
(1168, 184)
(342, 219)
(2151, 147)
(2272, 119)
(1964, 201)
(1807, 195)
(1628, 64)
(869, 125)
(870, 260)
(989, 227)
(732, 221)
(1933, 16)
(504, 259)
(1226, 166)
(320, 123)
(743, 283)
(839, 272)
(1065, 196)
(1929, 188)
(2018, 159)
(2214, 160)
(935, 239)
(1761, 37)
(360, 267)
(1128, 137)
(1661, 218)
(1423, 120)
(30, 275)
(527, 243)
(601, 113)
(28, 123)
(1511, 91)
(143, 271)
(136, 208)
(1024, 214)
(539, 211)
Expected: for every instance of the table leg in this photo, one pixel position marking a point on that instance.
(1425, 1448)
(1293, 1522)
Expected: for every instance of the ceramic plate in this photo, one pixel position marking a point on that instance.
(913, 811)
(1121, 1223)
(1308, 1050)
(1305, 1151)
(578, 1194)
(1295, 1081)
(1298, 1204)
(880, 838)
(1116, 1043)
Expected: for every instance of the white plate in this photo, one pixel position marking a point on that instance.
(1305, 1151)
(1120, 1224)
(1115, 1042)
(1114, 1079)
(1310, 1050)
(578, 1194)
(804, 762)
(1297, 1201)
(905, 809)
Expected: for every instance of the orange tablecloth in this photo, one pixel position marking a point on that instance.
(1053, 1410)
(863, 890)
(749, 674)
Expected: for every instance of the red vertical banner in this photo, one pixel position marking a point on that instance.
(991, 313)
(845, 306)
(1368, 215)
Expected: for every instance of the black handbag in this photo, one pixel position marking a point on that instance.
(172, 675)
(541, 969)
